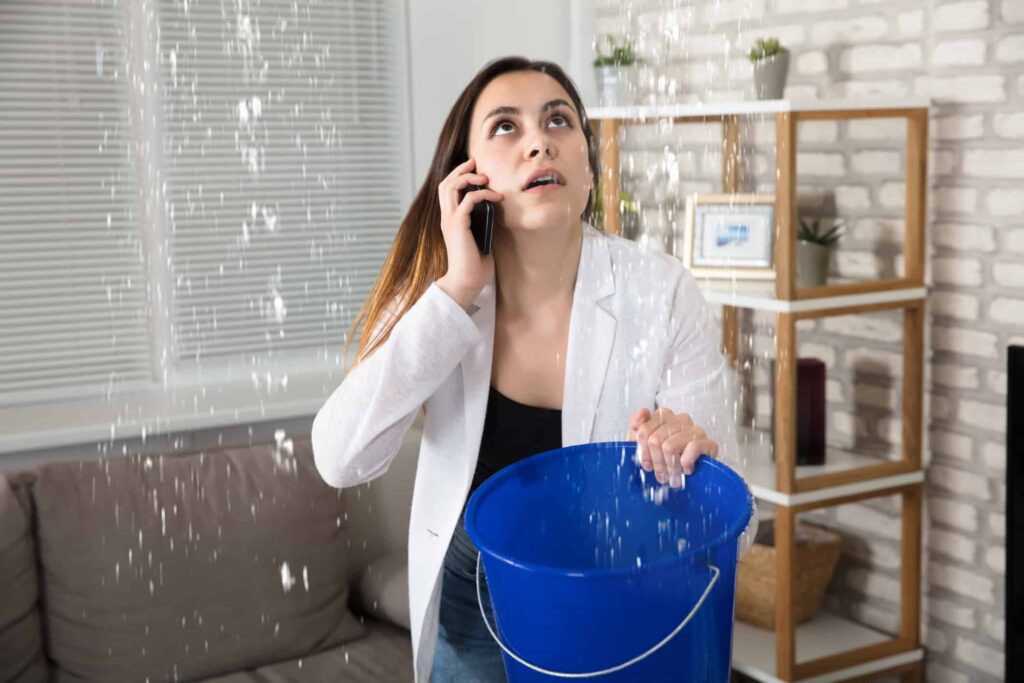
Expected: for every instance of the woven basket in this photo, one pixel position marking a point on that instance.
(817, 552)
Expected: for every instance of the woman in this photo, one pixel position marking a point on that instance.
(562, 335)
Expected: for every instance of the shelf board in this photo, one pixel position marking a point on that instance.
(759, 471)
(761, 297)
(753, 648)
(748, 107)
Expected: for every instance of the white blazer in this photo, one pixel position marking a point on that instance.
(640, 335)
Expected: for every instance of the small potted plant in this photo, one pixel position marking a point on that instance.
(628, 211)
(612, 71)
(812, 252)
(771, 66)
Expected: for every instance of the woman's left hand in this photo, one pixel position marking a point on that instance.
(668, 442)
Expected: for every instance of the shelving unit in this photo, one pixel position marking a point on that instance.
(830, 648)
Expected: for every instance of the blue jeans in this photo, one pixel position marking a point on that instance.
(466, 652)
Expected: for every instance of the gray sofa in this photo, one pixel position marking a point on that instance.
(230, 565)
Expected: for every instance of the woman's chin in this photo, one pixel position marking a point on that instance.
(542, 217)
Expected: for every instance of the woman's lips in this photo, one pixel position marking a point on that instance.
(540, 189)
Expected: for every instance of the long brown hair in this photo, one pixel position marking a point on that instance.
(418, 255)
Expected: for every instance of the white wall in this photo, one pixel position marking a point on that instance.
(450, 40)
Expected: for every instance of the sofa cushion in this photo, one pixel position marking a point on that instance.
(180, 567)
(383, 589)
(383, 656)
(21, 635)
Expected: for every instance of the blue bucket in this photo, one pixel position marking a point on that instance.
(597, 571)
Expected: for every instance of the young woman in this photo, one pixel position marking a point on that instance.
(562, 335)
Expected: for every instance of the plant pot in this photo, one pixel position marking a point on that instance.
(613, 85)
(811, 264)
(770, 76)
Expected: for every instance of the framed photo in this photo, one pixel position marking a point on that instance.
(730, 236)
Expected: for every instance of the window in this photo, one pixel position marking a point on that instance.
(197, 198)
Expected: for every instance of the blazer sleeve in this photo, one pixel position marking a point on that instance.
(359, 429)
(695, 380)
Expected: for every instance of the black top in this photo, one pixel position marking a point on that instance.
(513, 431)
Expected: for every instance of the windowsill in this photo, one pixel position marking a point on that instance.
(161, 411)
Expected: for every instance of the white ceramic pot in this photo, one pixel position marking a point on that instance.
(613, 87)
(811, 264)
(770, 76)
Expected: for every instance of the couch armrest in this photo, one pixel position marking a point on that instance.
(383, 589)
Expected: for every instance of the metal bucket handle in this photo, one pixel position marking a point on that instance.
(479, 599)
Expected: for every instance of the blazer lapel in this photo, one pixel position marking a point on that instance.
(476, 375)
(591, 337)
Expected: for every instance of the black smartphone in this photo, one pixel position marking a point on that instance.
(481, 221)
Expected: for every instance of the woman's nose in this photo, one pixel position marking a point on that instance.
(540, 144)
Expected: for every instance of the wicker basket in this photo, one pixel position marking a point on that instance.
(817, 552)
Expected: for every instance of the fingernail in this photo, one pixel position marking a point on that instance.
(660, 476)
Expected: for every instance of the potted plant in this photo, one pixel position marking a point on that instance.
(628, 211)
(771, 66)
(612, 70)
(812, 252)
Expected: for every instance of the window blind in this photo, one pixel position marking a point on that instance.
(71, 267)
(285, 152)
(274, 138)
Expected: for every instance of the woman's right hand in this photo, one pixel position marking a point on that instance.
(468, 270)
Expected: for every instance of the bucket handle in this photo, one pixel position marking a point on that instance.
(480, 603)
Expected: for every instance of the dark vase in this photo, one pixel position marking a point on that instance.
(810, 411)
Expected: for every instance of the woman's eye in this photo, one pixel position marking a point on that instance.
(559, 117)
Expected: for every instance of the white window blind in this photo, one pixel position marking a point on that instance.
(284, 154)
(193, 195)
(71, 271)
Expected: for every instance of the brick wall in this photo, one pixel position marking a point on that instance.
(968, 57)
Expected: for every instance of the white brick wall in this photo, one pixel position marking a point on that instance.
(963, 516)
(853, 30)
(962, 89)
(1008, 274)
(1012, 11)
(960, 16)
(965, 342)
(1005, 202)
(1010, 50)
(960, 482)
(952, 545)
(960, 236)
(957, 271)
(963, 581)
(958, 53)
(1006, 310)
(867, 59)
(952, 613)
(992, 163)
(959, 127)
(968, 56)
(954, 305)
(978, 656)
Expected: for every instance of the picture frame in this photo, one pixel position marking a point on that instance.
(730, 236)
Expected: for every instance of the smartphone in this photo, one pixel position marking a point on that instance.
(481, 221)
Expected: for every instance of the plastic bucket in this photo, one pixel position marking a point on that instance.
(597, 571)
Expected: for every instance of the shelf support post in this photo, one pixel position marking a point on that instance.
(731, 185)
(913, 382)
(916, 180)
(785, 205)
(785, 618)
(609, 141)
(910, 567)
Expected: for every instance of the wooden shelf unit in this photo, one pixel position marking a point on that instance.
(852, 651)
